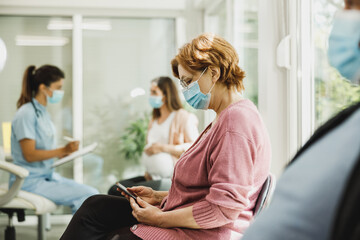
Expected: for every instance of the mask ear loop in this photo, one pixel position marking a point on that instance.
(211, 88)
(202, 74)
(212, 85)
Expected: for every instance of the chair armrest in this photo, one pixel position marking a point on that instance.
(21, 173)
(14, 169)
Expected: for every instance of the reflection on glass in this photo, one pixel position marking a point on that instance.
(332, 92)
(119, 65)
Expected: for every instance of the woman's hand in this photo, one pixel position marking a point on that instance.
(70, 147)
(146, 213)
(147, 176)
(154, 149)
(147, 194)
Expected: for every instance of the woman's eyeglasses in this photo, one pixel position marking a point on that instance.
(185, 84)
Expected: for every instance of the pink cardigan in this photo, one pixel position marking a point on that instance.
(230, 161)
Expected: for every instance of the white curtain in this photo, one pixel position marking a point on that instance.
(273, 27)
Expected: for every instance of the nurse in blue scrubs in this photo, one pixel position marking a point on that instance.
(33, 139)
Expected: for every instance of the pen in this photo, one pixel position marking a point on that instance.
(69, 139)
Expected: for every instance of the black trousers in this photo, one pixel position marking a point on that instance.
(101, 217)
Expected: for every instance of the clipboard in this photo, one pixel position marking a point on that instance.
(78, 153)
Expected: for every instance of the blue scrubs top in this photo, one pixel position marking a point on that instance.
(33, 122)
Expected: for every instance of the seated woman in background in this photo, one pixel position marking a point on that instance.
(171, 131)
(216, 181)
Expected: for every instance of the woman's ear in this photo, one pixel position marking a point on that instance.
(215, 73)
(44, 89)
(164, 99)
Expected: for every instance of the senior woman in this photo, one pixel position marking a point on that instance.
(215, 182)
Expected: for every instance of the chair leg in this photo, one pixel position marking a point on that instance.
(41, 227)
(47, 222)
(10, 233)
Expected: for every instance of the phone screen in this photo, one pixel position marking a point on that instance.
(123, 188)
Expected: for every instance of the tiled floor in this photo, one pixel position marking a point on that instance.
(30, 232)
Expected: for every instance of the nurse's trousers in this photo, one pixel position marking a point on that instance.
(60, 190)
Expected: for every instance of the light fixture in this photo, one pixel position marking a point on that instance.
(97, 25)
(40, 41)
(100, 25)
(60, 25)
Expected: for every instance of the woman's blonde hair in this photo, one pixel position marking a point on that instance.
(211, 50)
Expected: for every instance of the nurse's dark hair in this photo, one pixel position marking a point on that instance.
(33, 78)
(172, 99)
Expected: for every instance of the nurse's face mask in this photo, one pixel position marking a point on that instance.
(344, 41)
(57, 96)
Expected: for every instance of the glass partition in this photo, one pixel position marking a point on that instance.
(119, 64)
(120, 58)
(29, 42)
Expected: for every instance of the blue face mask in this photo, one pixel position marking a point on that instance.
(195, 97)
(156, 101)
(344, 51)
(57, 96)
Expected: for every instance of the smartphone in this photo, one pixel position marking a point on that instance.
(123, 188)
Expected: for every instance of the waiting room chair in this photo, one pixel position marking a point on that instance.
(14, 200)
(265, 194)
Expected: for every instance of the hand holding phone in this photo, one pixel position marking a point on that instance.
(123, 188)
